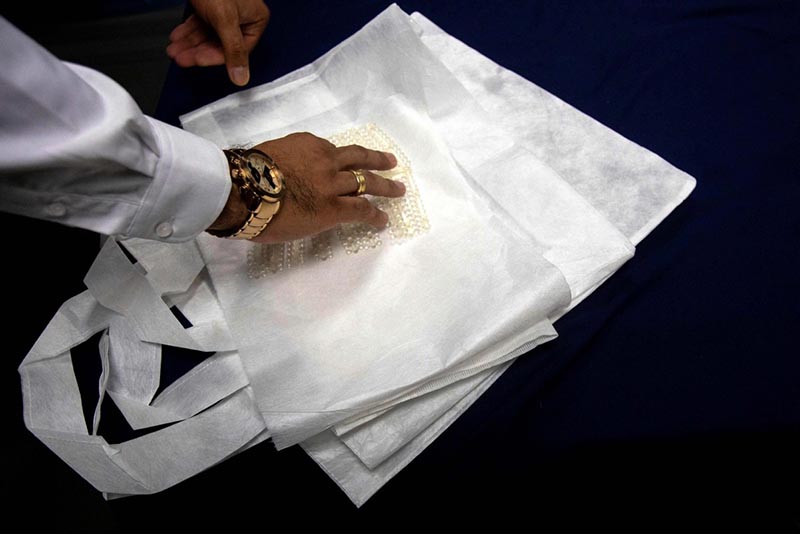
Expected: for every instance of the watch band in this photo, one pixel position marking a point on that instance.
(257, 221)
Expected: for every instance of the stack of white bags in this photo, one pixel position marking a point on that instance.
(362, 347)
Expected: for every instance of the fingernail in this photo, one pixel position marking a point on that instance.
(401, 186)
(240, 75)
(392, 159)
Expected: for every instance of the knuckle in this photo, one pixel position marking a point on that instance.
(223, 13)
(322, 167)
(358, 151)
(301, 136)
(333, 203)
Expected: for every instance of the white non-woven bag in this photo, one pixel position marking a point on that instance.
(326, 342)
(634, 188)
(562, 196)
(212, 405)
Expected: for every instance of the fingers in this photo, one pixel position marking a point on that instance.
(253, 28)
(202, 55)
(182, 30)
(185, 38)
(346, 183)
(226, 23)
(194, 44)
(220, 32)
(358, 157)
(199, 51)
(359, 209)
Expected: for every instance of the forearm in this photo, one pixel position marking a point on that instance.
(75, 148)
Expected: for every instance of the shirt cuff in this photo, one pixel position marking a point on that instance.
(190, 187)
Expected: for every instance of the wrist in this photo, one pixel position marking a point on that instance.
(254, 199)
(233, 215)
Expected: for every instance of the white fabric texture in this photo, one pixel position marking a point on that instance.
(615, 175)
(484, 270)
(76, 149)
(212, 405)
(363, 358)
(324, 341)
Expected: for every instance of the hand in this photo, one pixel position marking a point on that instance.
(319, 188)
(220, 32)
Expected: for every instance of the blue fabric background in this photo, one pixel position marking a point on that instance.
(672, 396)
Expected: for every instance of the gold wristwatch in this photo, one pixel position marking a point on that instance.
(260, 185)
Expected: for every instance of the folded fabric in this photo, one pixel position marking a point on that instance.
(632, 187)
(326, 341)
(361, 346)
(212, 405)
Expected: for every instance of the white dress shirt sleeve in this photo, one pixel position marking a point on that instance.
(76, 149)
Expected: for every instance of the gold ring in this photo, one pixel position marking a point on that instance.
(361, 180)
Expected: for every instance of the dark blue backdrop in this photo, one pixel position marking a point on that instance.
(673, 392)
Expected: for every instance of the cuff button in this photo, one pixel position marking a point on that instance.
(56, 209)
(164, 230)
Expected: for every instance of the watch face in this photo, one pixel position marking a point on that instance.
(270, 183)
